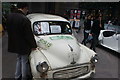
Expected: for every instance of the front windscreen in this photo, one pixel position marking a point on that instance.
(51, 27)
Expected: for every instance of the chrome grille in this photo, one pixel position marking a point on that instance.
(71, 72)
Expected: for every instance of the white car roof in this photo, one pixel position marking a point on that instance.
(45, 17)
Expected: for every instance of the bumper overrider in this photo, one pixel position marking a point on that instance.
(77, 71)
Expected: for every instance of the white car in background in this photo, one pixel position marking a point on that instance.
(59, 55)
(110, 37)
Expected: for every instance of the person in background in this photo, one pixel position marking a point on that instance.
(3, 25)
(89, 39)
(98, 24)
(1, 30)
(87, 28)
(20, 40)
(92, 19)
(115, 21)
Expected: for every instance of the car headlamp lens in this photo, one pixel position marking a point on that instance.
(94, 59)
(42, 67)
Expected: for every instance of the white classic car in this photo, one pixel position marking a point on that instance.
(59, 55)
(110, 37)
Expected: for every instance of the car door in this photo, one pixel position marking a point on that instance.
(110, 40)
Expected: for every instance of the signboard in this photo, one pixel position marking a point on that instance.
(75, 18)
(75, 14)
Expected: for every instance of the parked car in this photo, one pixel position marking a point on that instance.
(59, 54)
(110, 37)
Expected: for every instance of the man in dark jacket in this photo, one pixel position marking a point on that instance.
(20, 39)
(98, 24)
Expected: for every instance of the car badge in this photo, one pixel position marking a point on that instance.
(73, 62)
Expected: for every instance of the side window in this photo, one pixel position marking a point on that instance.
(108, 33)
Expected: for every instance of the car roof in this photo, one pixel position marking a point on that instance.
(45, 17)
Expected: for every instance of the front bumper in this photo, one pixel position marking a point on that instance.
(75, 72)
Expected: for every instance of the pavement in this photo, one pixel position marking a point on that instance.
(0, 58)
(1, 29)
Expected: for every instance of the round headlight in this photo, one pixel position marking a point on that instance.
(94, 59)
(42, 67)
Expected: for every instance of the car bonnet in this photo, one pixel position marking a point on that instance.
(60, 50)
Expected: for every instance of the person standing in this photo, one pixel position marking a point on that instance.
(98, 24)
(20, 39)
(87, 28)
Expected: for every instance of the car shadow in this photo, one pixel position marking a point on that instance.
(114, 53)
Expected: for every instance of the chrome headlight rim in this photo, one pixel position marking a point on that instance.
(42, 67)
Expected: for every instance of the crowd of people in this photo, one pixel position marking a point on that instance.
(92, 27)
(113, 21)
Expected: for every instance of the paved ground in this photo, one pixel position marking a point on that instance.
(8, 60)
(0, 57)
